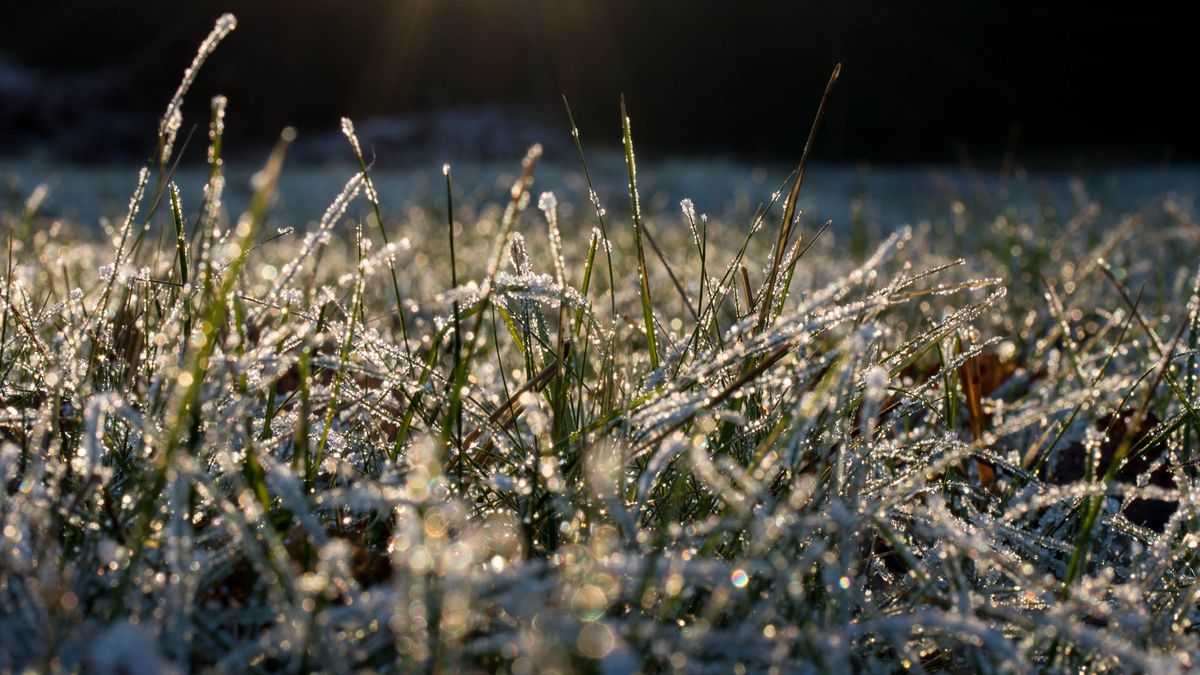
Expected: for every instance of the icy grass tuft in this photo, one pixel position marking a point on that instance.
(219, 450)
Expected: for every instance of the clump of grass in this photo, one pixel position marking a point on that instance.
(233, 449)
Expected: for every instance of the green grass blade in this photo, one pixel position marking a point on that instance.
(643, 277)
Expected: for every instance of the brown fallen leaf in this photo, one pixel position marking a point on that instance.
(993, 372)
(970, 378)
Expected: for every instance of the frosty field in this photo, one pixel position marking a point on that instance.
(596, 415)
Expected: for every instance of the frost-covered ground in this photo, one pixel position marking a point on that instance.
(884, 197)
(543, 431)
(257, 470)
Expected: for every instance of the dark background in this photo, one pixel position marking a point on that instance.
(922, 81)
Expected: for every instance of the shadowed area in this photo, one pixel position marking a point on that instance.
(934, 80)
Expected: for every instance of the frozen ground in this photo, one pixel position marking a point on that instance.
(247, 451)
(885, 198)
(547, 444)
